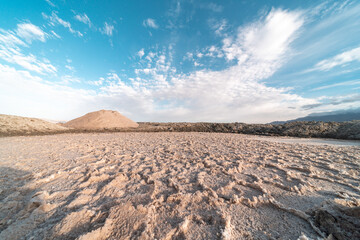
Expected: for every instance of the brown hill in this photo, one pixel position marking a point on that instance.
(15, 125)
(103, 119)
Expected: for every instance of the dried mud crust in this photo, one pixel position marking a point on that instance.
(176, 186)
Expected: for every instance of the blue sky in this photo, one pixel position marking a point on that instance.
(224, 61)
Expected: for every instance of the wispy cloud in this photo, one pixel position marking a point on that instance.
(83, 18)
(339, 60)
(68, 79)
(266, 41)
(347, 83)
(174, 13)
(213, 7)
(9, 39)
(30, 32)
(335, 102)
(157, 90)
(56, 20)
(23, 94)
(329, 30)
(50, 3)
(141, 53)
(219, 26)
(107, 29)
(55, 34)
(11, 48)
(70, 68)
(226, 95)
(151, 23)
(29, 62)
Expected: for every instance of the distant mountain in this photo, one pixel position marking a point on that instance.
(335, 116)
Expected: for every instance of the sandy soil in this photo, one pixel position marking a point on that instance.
(176, 186)
(101, 120)
(15, 125)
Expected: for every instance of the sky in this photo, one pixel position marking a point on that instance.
(175, 61)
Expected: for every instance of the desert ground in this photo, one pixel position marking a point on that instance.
(176, 186)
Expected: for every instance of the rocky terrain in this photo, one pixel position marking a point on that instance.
(344, 130)
(18, 126)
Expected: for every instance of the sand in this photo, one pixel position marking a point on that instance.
(15, 125)
(100, 120)
(176, 186)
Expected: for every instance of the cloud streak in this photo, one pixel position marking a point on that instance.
(347, 83)
(151, 23)
(50, 3)
(54, 19)
(30, 32)
(11, 45)
(83, 18)
(335, 102)
(107, 29)
(339, 60)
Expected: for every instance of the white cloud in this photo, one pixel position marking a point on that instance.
(159, 93)
(30, 32)
(347, 83)
(56, 20)
(188, 56)
(83, 18)
(267, 40)
(235, 93)
(219, 26)
(10, 51)
(66, 79)
(24, 94)
(113, 77)
(98, 82)
(150, 23)
(70, 68)
(29, 62)
(213, 51)
(339, 60)
(215, 7)
(55, 34)
(150, 56)
(212, 6)
(50, 3)
(141, 53)
(8, 39)
(107, 29)
(335, 103)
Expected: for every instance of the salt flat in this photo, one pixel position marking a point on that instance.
(176, 186)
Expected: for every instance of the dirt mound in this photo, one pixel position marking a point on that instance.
(103, 119)
(15, 125)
